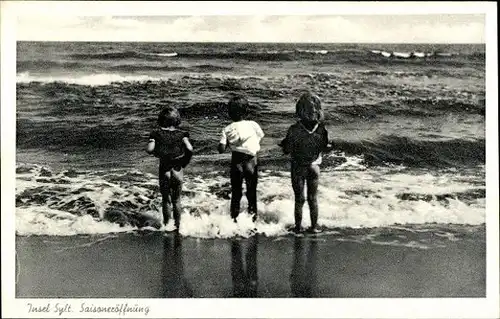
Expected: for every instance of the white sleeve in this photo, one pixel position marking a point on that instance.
(223, 138)
(258, 130)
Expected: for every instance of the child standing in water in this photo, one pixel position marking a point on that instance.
(305, 141)
(243, 138)
(172, 146)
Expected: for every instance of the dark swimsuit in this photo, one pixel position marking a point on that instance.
(305, 142)
(170, 149)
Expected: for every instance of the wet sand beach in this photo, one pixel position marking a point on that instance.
(160, 265)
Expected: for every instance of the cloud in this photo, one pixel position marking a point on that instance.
(367, 29)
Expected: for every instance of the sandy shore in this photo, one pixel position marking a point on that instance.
(152, 265)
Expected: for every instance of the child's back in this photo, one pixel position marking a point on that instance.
(305, 142)
(169, 143)
(172, 146)
(243, 138)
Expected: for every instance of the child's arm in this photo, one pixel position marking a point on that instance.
(285, 143)
(151, 144)
(258, 131)
(222, 143)
(188, 152)
(187, 144)
(151, 147)
(327, 146)
(222, 147)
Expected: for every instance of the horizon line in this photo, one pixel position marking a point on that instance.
(255, 42)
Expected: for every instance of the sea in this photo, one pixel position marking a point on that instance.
(407, 122)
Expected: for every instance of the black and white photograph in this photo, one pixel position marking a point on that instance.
(155, 159)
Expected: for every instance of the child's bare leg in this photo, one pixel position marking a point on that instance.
(175, 193)
(298, 181)
(165, 194)
(236, 191)
(251, 178)
(312, 193)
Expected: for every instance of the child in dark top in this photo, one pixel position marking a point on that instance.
(243, 138)
(173, 148)
(305, 141)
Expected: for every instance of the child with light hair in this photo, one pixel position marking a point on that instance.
(305, 141)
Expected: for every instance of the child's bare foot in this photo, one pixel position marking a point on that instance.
(313, 230)
(298, 229)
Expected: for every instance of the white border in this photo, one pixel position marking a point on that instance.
(157, 8)
(261, 308)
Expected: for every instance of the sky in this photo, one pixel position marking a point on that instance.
(219, 25)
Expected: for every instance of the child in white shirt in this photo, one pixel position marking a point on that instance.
(243, 138)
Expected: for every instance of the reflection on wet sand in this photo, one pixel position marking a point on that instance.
(173, 281)
(245, 282)
(303, 279)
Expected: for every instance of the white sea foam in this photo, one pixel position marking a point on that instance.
(347, 198)
(168, 54)
(402, 54)
(40, 220)
(92, 80)
(446, 54)
(314, 51)
(106, 79)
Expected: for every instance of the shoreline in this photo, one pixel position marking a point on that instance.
(163, 265)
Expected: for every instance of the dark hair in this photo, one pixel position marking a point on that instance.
(169, 116)
(237, 108)
(308, 108)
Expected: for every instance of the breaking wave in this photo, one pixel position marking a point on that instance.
(282, 55)
(87, 202)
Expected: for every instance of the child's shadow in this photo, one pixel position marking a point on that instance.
(244, 282)
(174, 283)
(303, 279)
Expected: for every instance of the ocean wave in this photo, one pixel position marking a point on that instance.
(421, 54)
(248, 55)
(116, 55)
(313, 51)
(413, 107)
(279, 55)
(215, 108)
(168, 54)
(90, 80)
(442, 104)
(45, 65)
(84, 202)
(200, 74)
(425, 73)
(416, 153)
(122, 133)
(193, 68)
(24, 67)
